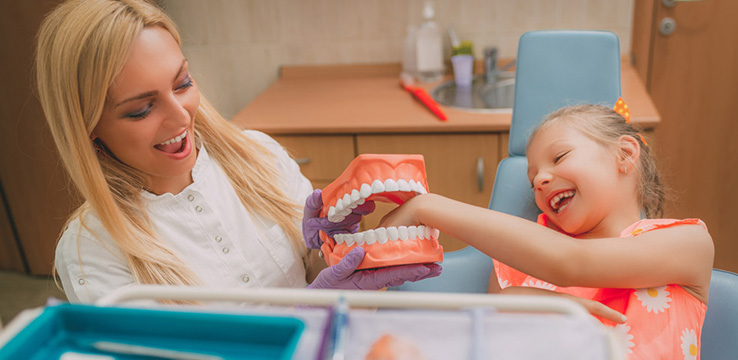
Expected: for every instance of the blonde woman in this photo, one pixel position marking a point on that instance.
(173, 193)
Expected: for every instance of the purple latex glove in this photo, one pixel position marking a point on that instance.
(345, 277)
(312, 222)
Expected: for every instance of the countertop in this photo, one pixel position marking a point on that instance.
(362, 99)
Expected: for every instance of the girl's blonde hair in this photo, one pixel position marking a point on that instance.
(605, 126)
(82, 46)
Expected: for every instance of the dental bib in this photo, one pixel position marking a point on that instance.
(387, 178)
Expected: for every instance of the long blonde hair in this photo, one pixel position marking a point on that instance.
(82, 46)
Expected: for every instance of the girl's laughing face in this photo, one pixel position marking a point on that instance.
(574, 178)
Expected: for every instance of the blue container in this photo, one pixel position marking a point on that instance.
(69, 327)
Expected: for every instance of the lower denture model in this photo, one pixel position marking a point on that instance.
(387, 178)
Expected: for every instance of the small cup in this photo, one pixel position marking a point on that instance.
(463, 65)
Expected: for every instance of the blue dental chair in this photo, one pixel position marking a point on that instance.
(720, 331)
(554, 69)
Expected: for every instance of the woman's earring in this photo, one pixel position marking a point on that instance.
(98, 147)
(625, 170)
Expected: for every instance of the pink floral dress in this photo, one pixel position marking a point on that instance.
(664, 322)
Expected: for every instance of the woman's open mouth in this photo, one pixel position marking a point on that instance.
(387, 178)
(174, 145)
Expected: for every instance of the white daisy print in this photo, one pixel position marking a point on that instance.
(624, 338)
(539, 284)
(654, 299)
(689, 344)
(503, 283)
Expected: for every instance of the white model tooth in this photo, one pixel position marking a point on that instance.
(421, 231)
(346, 201)
(390, 185)
(355, 195)
(435, 233)
(359, 238)
(361, 201)
(381, 235)
(365, 191)
(417, 188)
(421, 189)
(345, 212)
(370, 237)
(402, 230)
(350, 240)
(332, 213)
(340, 238)
(413, 185)
(427, 232)
(393, 234)
(403, 185)
(339, 205)
(377, 187)
(412, 232)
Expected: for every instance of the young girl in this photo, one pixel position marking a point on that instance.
(593, 178)
(173, 193)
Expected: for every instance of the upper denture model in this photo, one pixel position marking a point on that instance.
(387, 178)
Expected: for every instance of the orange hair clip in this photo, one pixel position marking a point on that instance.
(622, 108)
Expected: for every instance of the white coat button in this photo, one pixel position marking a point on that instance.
(226, 250)
(198, 208)
(191, 197)
(218, 238)
(81, 281)
(245, 278)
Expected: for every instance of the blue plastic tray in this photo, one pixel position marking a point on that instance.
(69, 327)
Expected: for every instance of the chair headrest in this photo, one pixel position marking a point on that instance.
(556, 68)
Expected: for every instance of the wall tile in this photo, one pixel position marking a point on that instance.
(238, 46)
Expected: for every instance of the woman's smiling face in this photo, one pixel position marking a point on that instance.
(148, 118)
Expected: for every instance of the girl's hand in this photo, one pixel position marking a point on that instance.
(403, 215)
(594, 307)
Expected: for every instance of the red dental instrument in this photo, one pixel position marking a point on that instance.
(407, 83)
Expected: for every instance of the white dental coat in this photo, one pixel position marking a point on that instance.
(205, 225)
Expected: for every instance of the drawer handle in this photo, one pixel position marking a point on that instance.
(302, 161)
(480, 174)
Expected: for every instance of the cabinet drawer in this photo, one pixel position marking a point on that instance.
(322, 158)
(459, 166)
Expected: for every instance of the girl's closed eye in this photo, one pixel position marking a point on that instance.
(558, 157)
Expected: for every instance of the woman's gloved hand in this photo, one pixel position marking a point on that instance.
(345, 277)
(312, 222)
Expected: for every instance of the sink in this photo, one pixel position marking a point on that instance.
(480, 96)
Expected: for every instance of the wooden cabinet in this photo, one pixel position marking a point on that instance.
(322, 158)
(461, 166)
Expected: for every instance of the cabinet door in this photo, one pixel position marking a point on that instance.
(459, 166)
(322, 158)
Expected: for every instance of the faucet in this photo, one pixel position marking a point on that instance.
(492, 72)
(490, 64)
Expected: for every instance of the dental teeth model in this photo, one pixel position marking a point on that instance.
(385, 178)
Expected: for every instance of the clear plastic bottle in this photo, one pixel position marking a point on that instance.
(429, 46)
(408, 56)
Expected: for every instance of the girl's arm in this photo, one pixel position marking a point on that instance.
(681, 255)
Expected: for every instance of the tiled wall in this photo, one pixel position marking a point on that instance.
(236, 47)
